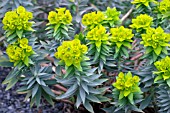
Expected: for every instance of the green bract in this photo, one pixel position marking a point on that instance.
(142, 2)
(157, 39)
(93, 19)
(163, 70)
(20, 52)
(71, 53)
(98, 35)
(121, 36)
(164, 7)
(126, 84)
(112, 16)
(18, 20)
(62, 16)
(143, 21)
(120, 39)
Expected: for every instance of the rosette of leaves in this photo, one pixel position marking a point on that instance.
(141, 23)
(59, 24)
(163, 72)
(164, 8)
(35, 84)
(109, 18)
(121, 39)
(80, 79)
(19, 53)
(99, 46)
(112, 17)
(93, 19)
(126, 92)
(155, 42)
(144, 6)
(17, 23)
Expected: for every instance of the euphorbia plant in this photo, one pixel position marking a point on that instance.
(81, 80)
(127, 92)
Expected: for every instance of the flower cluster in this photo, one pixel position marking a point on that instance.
(164, 7)
(143, 21)
(156, 38)
(71, 52)
(163, 68)
(121, 35)
(112, 15)
(93, 19)
(143, 2)
(20, 51)
(97, 35)
(127, 84)
(62, 16)
(18, 20)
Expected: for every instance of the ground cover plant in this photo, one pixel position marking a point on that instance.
(88, 56)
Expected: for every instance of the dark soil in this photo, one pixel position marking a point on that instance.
(11, 102)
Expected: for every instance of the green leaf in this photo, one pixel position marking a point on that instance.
(93, 98)
(84, 86)
(121, 95)
(119, 44)
(56, 27)
(168, 82)
(48, 91)
(130, 97)
(82, 94)
(19, 33)
(48, 98)
(34, 90)
(145, 102)
(158, 78)
(158, 50)
(69, 92)
(38, 97)
(88, 106)
(127, 44)
(148, 49)
(11, 83)
(78, 101)
(26, 61)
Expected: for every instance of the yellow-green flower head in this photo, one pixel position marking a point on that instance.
(138, 3)
(62, 16)
(97, 35)
(127, 84)
(71, 52)
(121, 34)
(163, 68)
(164, 7)
(17, 19)
(112, 14)
(19, 50)
(93, 19)
(156, 38)
(143, 21)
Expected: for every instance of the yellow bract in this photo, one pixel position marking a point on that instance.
(71, 52)
(121, 34)
(163, 68)
(62, 16)
(143, 2)
(97, 35)
(127, 84)
(143, 21)
(156, 38)
(93, 19)
(164, 7)
(19, 51)
(17, 19)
